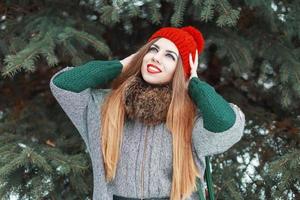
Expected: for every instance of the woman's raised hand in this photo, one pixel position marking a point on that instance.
(125, 62)
(194, 65)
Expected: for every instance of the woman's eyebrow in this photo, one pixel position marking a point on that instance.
(166, 50)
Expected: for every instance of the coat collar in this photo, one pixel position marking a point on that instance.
(147, 103)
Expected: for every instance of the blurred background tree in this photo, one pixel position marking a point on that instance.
(252, 58)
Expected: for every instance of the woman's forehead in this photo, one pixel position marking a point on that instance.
(166, 44)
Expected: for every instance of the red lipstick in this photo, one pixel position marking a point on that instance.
(153, 69)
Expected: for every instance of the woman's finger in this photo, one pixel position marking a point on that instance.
(196, 57)
(191, 60)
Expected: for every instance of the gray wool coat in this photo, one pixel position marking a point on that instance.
(83, 109)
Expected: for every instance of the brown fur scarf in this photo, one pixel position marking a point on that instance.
(147, 103)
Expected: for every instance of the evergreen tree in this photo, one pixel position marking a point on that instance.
(252, 55)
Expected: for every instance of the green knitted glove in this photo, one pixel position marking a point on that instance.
(218, 116)
(91, 74)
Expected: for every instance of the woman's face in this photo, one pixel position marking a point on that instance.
(160, 61)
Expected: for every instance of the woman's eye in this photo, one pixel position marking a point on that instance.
(171, 56)
(154, 49)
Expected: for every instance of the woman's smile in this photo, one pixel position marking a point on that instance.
(153, 69)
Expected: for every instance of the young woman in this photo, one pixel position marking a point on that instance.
(149, 133)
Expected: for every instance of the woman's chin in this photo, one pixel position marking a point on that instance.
(156, 83)
(151, 80)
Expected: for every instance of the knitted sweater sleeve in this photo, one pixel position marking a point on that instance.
(219, 124)
(91, 74)
(72, 88)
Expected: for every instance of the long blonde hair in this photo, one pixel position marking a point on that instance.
(180, 121)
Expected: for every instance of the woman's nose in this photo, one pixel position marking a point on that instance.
(157, 57)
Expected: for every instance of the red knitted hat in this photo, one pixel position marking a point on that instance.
(187, 39)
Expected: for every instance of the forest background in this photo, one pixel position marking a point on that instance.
(251, 57)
